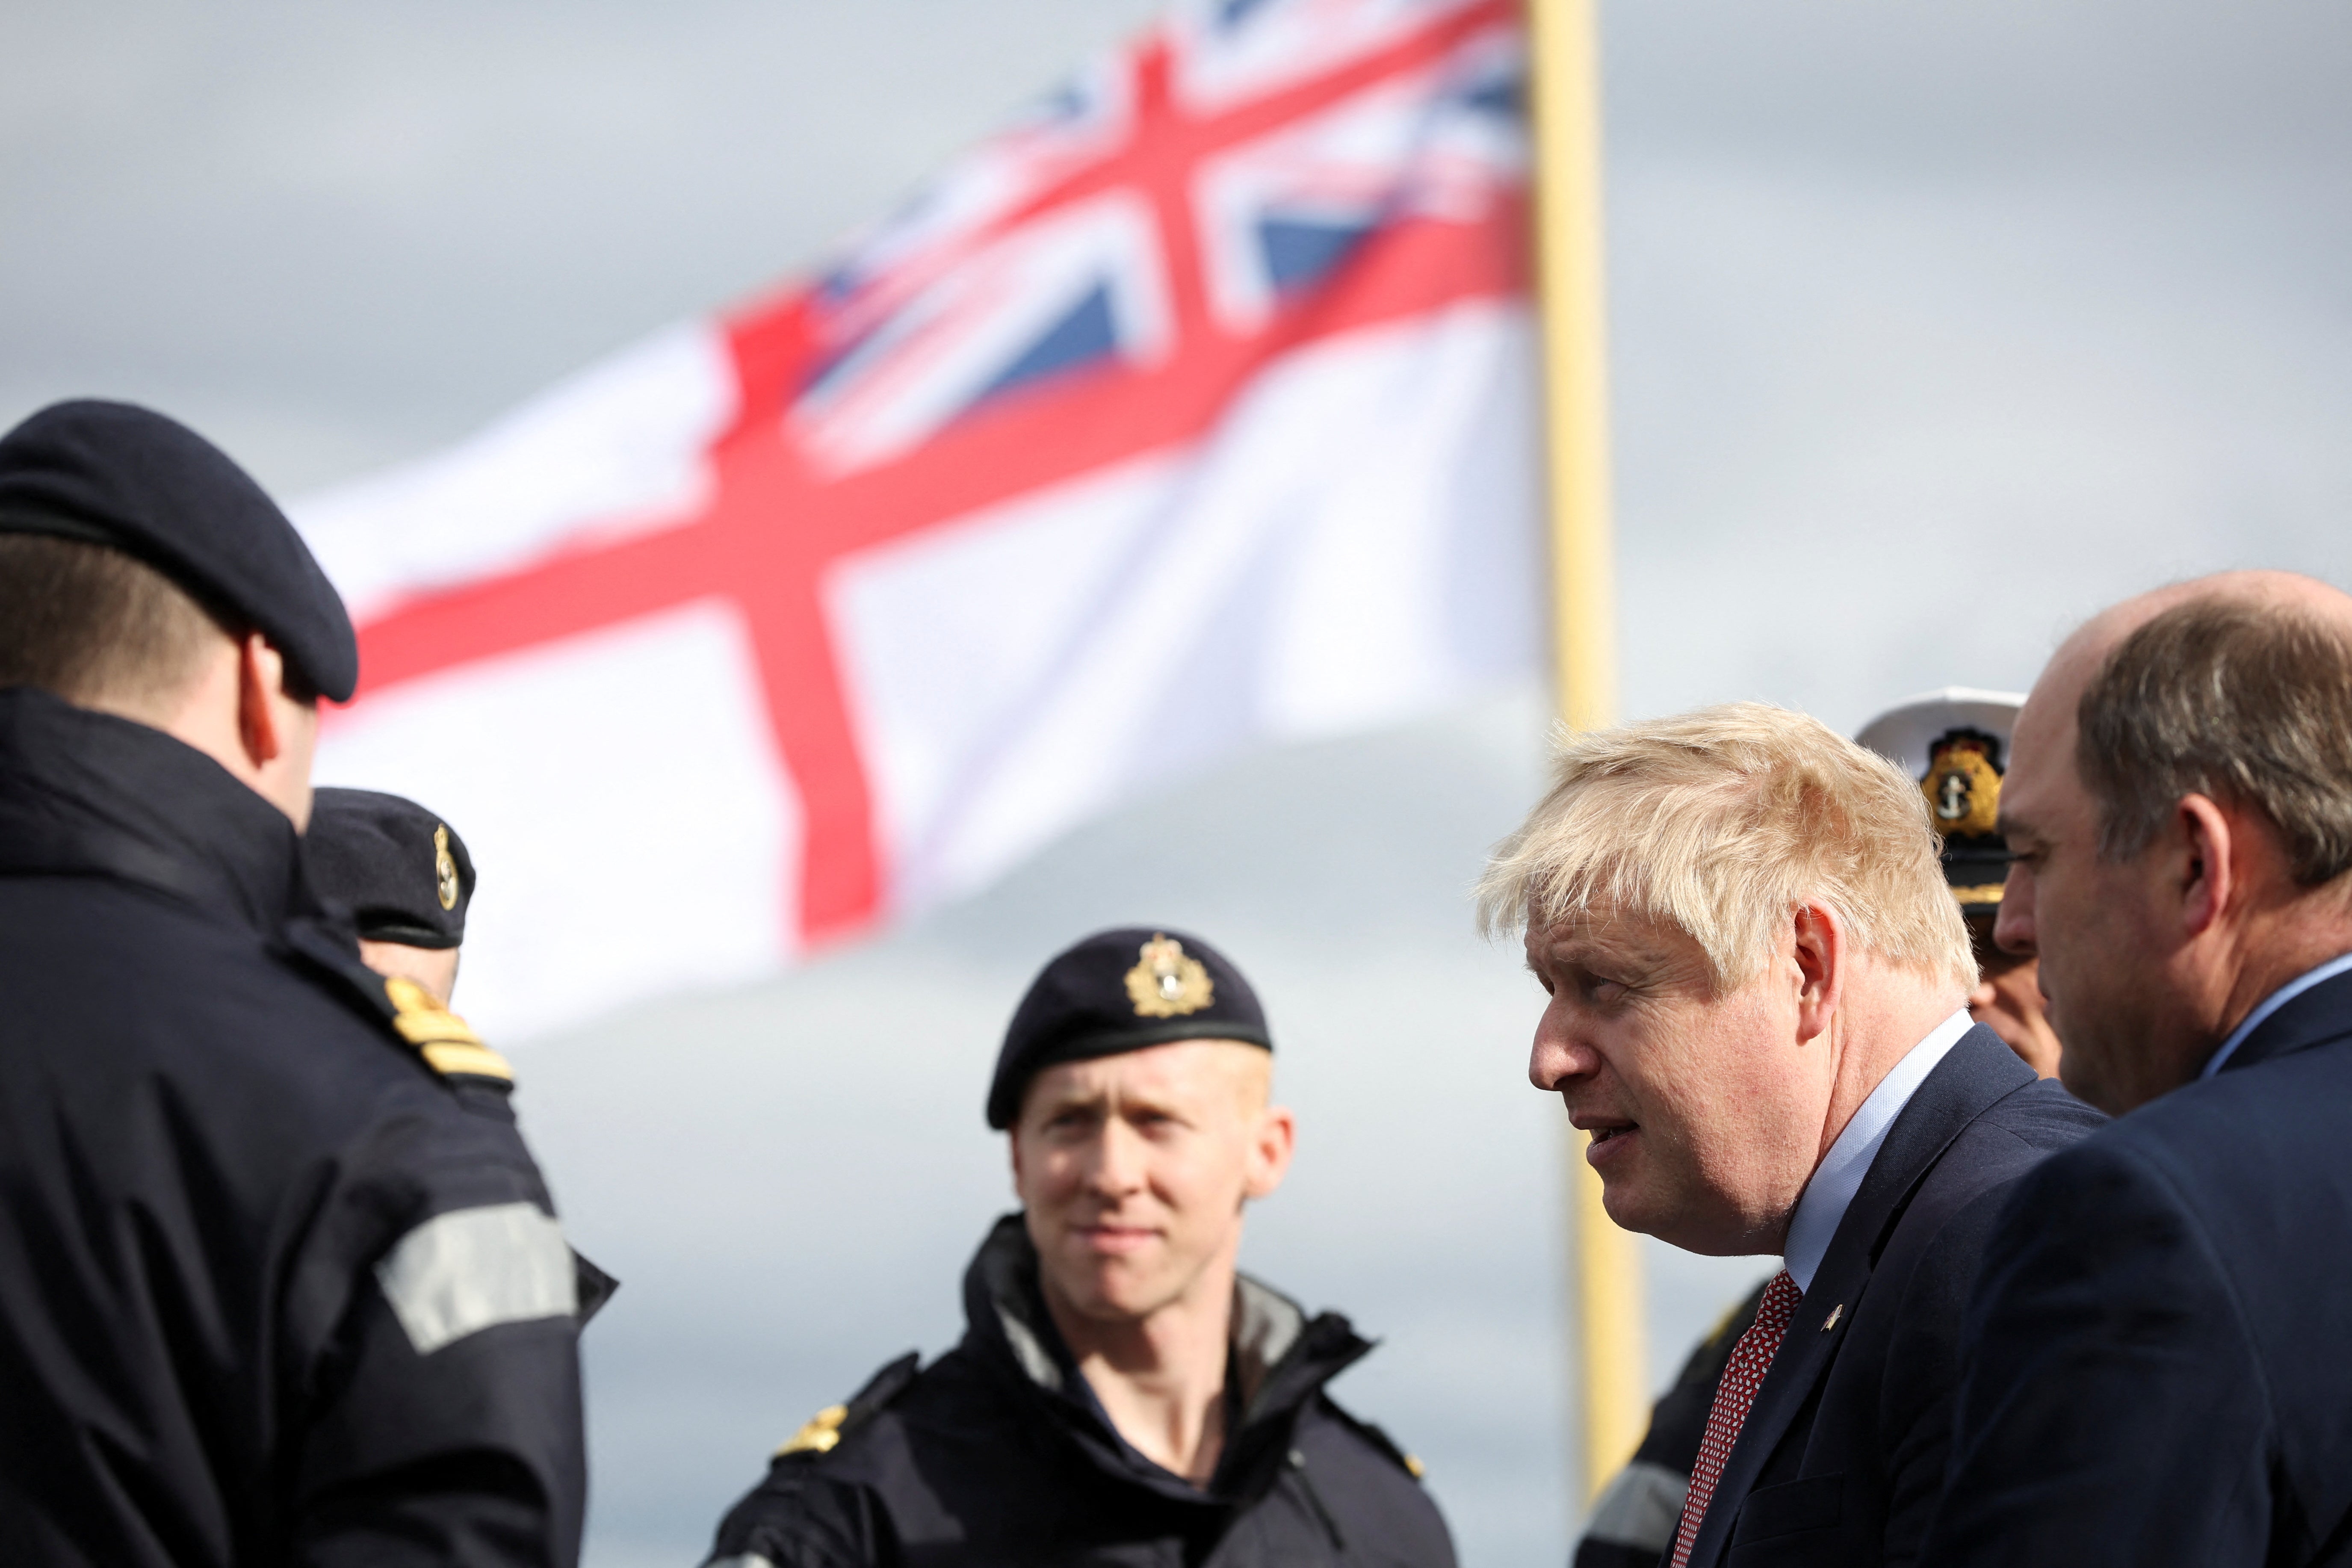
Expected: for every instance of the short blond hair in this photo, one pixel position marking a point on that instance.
(1721, 823)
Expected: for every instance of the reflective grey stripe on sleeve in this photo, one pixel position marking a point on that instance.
(471, 1269)
(1640, 1508)
(740, 1560)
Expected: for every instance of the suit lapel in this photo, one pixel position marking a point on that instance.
(1975, 1073)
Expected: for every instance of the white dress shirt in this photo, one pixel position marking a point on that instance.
(1839, 1175)
(2272, 1003)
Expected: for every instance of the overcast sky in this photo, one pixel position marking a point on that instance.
(1933, 327)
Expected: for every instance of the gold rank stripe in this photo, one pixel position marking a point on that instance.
(1990, 893)
(426, 1027)
(451, 1058)
(446, 1042)
(820, 1434)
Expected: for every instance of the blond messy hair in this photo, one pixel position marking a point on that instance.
(1721, 823)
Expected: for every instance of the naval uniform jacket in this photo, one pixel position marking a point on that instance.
(272, 1290)
(1842, 1457)
(2159, 1368)
(999, 1454)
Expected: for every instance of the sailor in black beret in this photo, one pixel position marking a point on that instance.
(1120, 991)
(1123, 1394)
(133, 480)
(404, 874)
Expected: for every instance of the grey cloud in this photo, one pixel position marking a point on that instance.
(1934, 326)
(395, 223)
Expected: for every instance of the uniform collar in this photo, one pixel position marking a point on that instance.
(89, 794)
(1281, 1359)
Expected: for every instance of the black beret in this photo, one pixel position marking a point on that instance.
(1121, 991)
(115, 474)
(402, 870)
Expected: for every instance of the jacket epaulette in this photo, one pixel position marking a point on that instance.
(404, 1008)
(446, 1042)
(824, 1431)
(1379, 1439)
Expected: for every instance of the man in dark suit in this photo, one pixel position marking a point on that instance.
(1756, 977)
(1954, 741)
(2155, 1367)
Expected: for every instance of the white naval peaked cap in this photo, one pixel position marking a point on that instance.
(1903, 733)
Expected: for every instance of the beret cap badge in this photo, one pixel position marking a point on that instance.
(1125, 989)
(1167, 981)
(445, 868)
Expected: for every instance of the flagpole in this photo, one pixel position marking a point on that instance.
(1610, 1370)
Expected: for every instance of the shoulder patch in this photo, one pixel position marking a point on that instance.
(824, 1431)
(446, 1042)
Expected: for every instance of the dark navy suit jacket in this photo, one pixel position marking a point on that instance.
(2160, 1362)
(1842, 1457)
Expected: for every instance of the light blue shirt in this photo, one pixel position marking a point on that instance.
(2272, 1003)
(1839, 1175)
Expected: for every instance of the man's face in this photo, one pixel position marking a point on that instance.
(2007, 1000)
(1132, 1171)
(1708, 1114)
(2091, 922)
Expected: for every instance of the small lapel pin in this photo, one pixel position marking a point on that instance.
(1831, 1320)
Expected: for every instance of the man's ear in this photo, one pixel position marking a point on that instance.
(2206, 877)
(260, 676)
(1820, 952)
(1270, 1150)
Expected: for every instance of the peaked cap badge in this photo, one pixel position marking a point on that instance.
(1167, 981)
(445, 868)
(1963, 785)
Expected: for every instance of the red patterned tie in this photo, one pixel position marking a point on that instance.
(1742, 1376)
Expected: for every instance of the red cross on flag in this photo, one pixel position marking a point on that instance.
(1192, 411)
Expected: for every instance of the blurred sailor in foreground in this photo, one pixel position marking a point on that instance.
(1954, 742)
(283, 1282)
(2156, 1369)
(1123, 1394)
(1757, 975)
